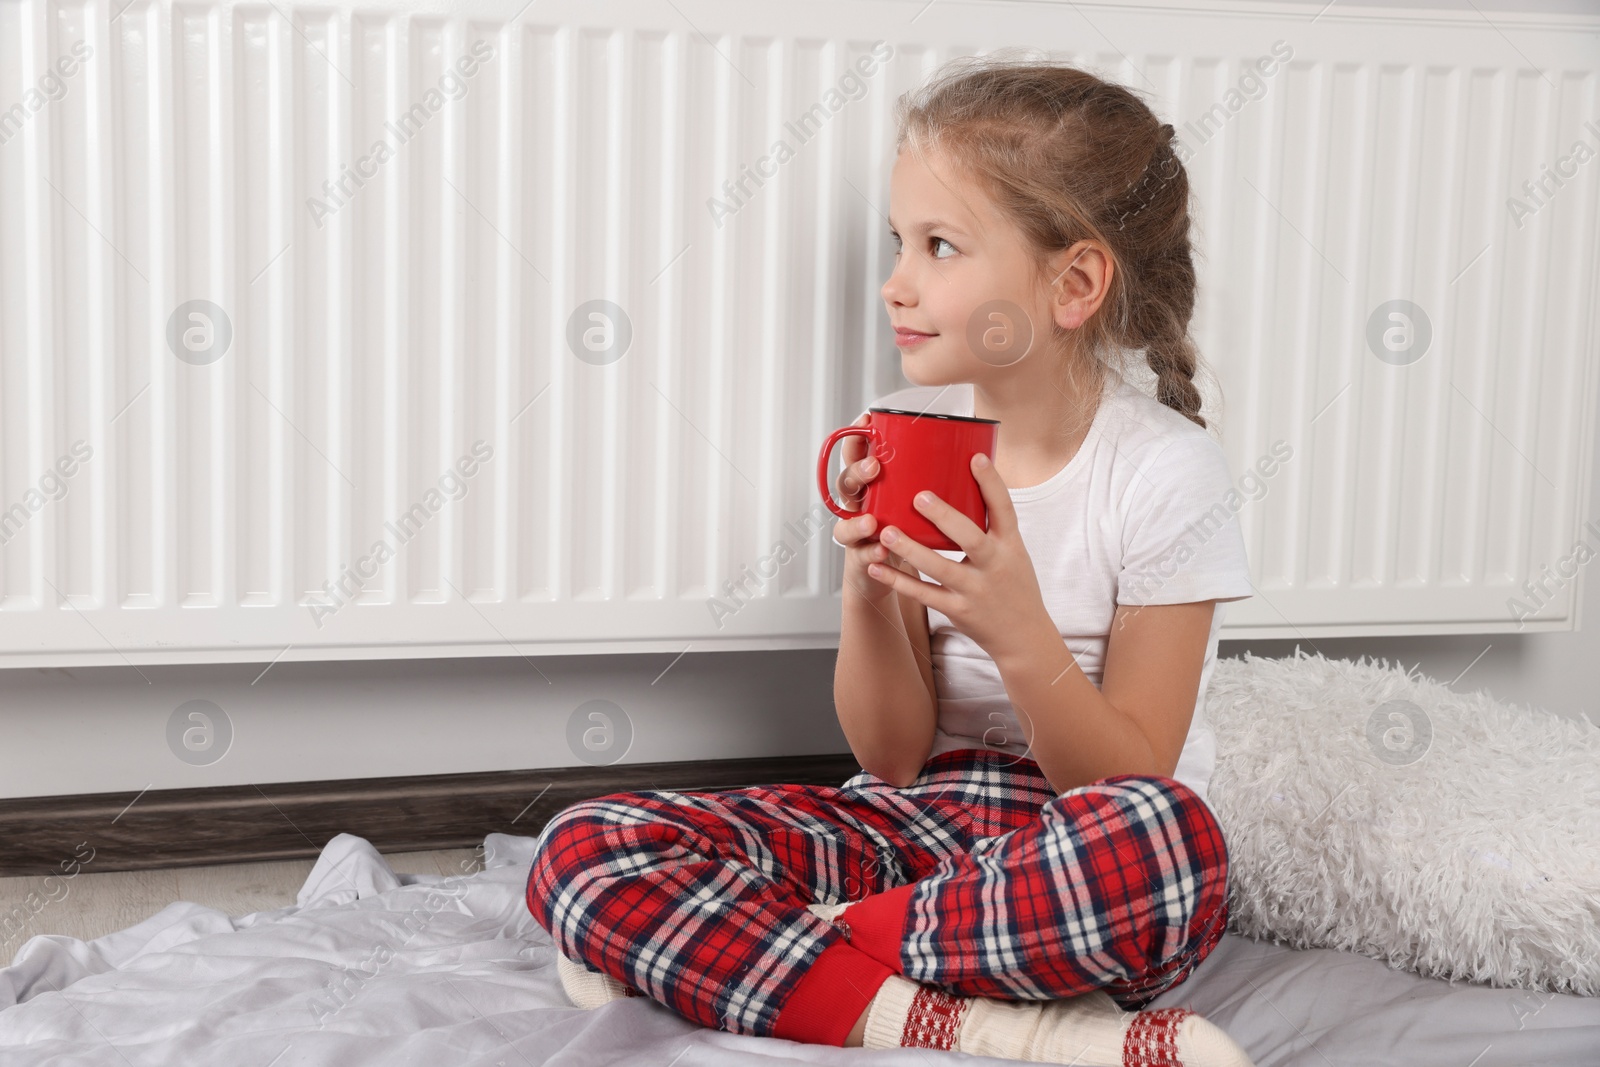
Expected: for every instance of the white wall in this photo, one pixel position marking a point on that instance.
(105, 729)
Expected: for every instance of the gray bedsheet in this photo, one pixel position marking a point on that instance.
(370, 967)
(1321, 1008)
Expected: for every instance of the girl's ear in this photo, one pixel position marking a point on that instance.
(1081, 280)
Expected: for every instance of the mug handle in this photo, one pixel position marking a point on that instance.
(827, 454)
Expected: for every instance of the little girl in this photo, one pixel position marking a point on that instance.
(1027, 856)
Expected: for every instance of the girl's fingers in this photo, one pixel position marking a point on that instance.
(927, 594)
(850, 532)
(855, 476)
(945, 571)
(954, 524)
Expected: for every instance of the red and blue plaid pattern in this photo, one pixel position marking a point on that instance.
(1001, 888)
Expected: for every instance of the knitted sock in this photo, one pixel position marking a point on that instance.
(1087, 1030)
(586, 988)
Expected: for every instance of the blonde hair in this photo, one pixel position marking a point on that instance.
(1067, 156)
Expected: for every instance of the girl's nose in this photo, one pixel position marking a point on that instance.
(896, 291)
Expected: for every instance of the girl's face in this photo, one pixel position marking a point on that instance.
(962, 276)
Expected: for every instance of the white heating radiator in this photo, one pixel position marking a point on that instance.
(302, 353)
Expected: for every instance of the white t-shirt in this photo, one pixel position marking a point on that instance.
(1140, 515)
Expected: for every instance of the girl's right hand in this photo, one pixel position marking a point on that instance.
(852, 533)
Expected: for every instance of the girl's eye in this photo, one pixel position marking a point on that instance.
(937, 241)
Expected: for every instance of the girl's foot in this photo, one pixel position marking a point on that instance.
(586, 988)
(1088, 1030)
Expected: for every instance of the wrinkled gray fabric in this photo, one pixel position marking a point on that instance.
(370, 967)
(1320, 1007)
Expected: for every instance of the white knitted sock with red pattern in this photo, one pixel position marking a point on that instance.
(1087, 1030)
(587, 988)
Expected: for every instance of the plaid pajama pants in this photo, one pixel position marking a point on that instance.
(977, 878)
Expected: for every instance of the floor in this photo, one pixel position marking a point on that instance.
(91, 905)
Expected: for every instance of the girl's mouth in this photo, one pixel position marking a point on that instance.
(908, 338)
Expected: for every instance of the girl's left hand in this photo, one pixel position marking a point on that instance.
(993, 595)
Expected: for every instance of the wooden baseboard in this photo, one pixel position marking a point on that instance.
(249, 823)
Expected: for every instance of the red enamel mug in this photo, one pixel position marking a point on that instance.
(916, 451)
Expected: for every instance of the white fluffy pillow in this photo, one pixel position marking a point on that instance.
(1446, 833)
